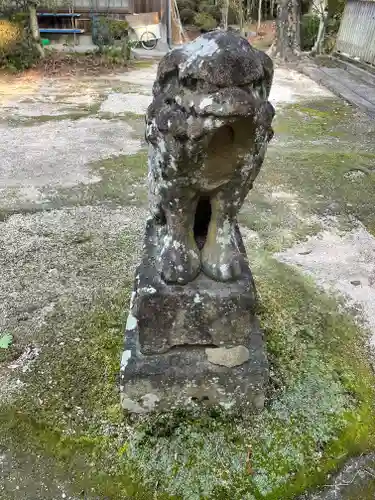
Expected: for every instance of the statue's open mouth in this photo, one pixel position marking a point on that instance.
(223, 103)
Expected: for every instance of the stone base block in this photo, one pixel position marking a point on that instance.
(194, 343)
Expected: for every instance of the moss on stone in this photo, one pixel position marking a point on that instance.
(334, 182)
(37, 120)
(122, 182)
(144, 63)
(312, 119)
(125, 115)
(68, 112)
(319, 410)
(278, 223)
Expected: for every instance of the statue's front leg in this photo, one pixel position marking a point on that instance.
(179, 258)
(221, 258)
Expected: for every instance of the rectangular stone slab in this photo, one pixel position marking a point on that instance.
(232, 377)
(204, 312)
(199, 342)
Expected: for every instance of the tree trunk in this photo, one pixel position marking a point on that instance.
(288, 40)
(241, 18)
(34, 28)
(259, 14)
(248, 10)
(225, 11)
(323, 15)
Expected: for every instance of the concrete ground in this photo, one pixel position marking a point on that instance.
(345, 79)
(73, 207)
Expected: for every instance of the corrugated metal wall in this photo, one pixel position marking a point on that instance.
(136, 6)
(356, 37)
(103, 5)
(123, 6)
(90, 6)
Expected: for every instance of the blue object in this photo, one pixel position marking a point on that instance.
(54, 14)
(62, 30)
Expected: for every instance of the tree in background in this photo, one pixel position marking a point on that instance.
(33, 23)
(225, 13)
(27, 10)
(287, 44)
(301, 25)
(24, 50)
(320, 8)
(239, 10)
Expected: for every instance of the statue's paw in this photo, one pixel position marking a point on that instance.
(179, 263)
(223, 264)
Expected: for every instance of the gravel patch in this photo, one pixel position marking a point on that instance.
(144, 78)
(33, 109)
(343, 263)
(57, 154)
(118, 103)
(60, 259)
(35, 482)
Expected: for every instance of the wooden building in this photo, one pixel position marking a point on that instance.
(356, 36)
(136, 12)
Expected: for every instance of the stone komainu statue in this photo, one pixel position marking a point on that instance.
(207, 128)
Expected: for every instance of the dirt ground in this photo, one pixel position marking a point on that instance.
(72, 212)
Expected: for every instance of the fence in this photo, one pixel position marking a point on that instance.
(356, 37)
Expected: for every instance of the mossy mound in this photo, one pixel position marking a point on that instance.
(320, 404)
(319, 412)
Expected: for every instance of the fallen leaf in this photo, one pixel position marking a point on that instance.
(249, 468)
(5, 341)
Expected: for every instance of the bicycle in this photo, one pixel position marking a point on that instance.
(148, 39)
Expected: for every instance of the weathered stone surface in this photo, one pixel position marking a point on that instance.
(197, 342)
(191, 333)
(355, 481)
(203, 313)
(185, 375)
(208, 128)
(228, 356)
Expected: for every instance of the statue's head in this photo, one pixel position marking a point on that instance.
(210, 82)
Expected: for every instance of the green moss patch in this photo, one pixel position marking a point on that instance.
(319, 410)
(278, 223)
(324, 152)
(123, 182)
(320, 402)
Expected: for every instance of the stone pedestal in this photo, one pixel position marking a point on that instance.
(193, 343)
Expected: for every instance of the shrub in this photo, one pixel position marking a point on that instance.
(187, 16)
(336, 8)
(116, 55)
(211, 9)
(118, 29)
(10, 34)
(187, 4)
(331, 34)
(107, 30)
(17, 50)
(205, 21)
(309, 30)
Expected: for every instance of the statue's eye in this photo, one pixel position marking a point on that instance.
(190, 83)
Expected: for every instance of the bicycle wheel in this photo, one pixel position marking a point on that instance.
(148, 40)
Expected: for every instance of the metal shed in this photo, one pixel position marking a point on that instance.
(356, 36)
